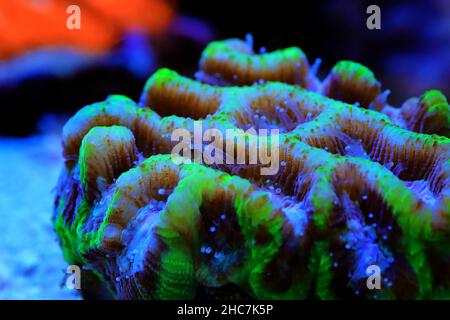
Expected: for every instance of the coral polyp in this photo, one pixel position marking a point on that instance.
(360, 184)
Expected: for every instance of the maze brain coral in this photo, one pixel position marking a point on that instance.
(360, 183)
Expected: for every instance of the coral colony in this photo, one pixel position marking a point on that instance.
(359, 184)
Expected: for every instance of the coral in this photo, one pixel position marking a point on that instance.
(360, 183)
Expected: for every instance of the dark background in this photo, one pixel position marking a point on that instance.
(413, 32)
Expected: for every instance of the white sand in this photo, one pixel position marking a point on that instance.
(31, 262)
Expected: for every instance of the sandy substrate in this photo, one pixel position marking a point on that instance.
(31, 262)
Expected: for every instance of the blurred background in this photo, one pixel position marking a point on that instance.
(48, 72)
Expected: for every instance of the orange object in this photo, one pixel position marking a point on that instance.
(30, 24)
